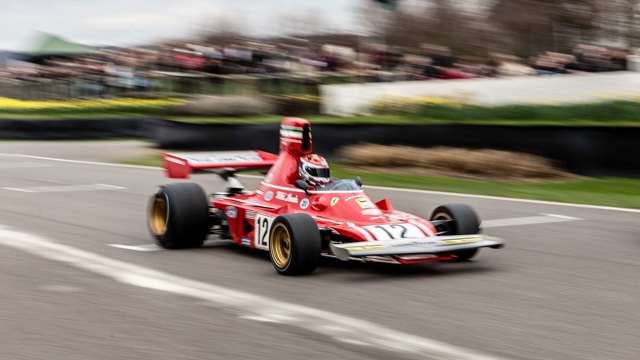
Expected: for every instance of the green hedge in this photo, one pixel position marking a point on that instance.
(603, 111)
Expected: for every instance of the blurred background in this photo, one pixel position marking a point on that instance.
(555, 79)
(283, 47)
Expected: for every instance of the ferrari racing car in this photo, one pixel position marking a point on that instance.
(299, 213)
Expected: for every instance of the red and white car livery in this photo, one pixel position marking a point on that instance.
(298, 223)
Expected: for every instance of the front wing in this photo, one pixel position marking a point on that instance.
(429, 245)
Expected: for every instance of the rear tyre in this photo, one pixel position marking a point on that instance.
(294, 244)
(178, 216)
(465, 222)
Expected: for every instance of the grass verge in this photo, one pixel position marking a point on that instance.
(595, 111)
(318, 119)
(617, 192)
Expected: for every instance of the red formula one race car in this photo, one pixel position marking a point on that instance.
(299, 213)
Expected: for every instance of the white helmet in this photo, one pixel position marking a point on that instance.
(314, 170)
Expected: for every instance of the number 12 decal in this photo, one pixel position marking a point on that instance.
(394, 231)
(261, 232)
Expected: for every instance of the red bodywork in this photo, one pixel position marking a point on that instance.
(350, 215)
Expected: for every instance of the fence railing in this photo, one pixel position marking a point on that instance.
(166, 83)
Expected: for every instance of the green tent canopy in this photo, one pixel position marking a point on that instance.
(52, 45)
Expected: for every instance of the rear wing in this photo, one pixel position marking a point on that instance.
(182, 165)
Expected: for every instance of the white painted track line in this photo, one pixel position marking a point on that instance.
(81, 161)
(528, 220)
(432, 192)
(142, 248)
(334, 326)
(570, 218)
(500, 198)
(65, 188)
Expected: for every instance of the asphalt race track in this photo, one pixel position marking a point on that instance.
(81, 279)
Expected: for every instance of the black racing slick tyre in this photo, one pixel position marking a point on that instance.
(178, 216)
(463, 220)
(294, 244)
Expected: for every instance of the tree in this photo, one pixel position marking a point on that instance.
(532, 26)
(618, 22)
(223, 30)
(437, 22)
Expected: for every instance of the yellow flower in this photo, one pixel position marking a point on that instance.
(107, 104)
(407, 104)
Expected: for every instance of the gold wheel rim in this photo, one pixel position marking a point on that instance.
(446, 217)
(280, 246)
(442, 216)
(159, 214)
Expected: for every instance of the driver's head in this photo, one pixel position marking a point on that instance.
(314, 170)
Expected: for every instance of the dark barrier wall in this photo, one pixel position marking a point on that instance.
(583, 150)
(77, 129)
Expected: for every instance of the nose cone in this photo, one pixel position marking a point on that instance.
(295, 136)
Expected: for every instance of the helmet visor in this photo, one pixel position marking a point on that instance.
(317, 172)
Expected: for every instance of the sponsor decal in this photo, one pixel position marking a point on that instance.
(268, 195)
(304, 203)
(246, 241)
(371, 212)
(231, 212)
(291, 134)
(365, 203)
(288, 197)
(410, 243)
(366, 247)
(460, 241)
(334, 201)
(223, 157)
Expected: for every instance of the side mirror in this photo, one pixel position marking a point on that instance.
(358, 181)
(302, 185)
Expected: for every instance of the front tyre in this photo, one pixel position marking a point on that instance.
(294, 244)
(461, 220)
(178, 216)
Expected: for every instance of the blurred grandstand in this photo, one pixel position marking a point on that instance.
(404, 41)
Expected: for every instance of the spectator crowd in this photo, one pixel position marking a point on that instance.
(137, 68)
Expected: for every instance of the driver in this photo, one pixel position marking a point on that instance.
(314, 170)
